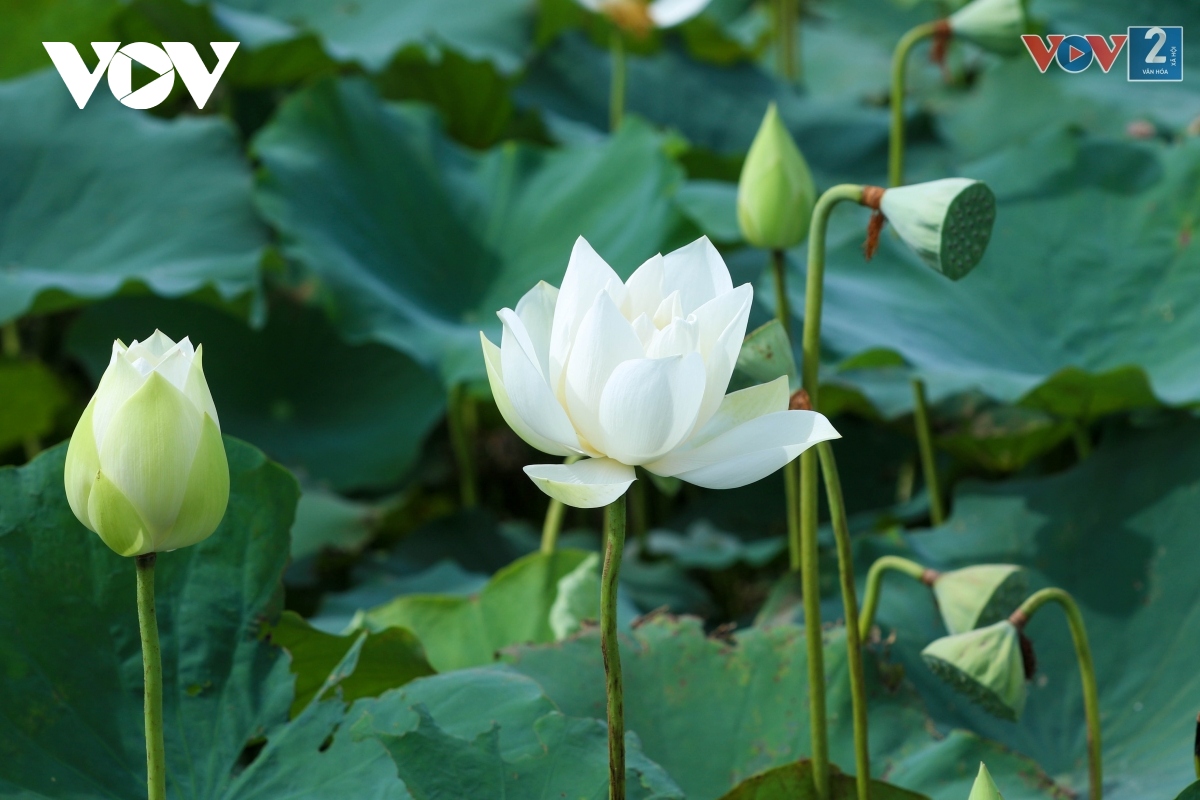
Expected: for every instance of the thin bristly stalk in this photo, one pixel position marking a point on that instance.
(899, 78)
(937, 511)
(610, 649)
(156, 769)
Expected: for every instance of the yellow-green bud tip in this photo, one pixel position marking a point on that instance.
(776, 191)
(985, 787)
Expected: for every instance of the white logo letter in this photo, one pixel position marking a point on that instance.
(120, 75)
(196, 77)
(80, 83)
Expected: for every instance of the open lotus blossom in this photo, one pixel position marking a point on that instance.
(634, 374)
(640, 16)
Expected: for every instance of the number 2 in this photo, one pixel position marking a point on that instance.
(1153, 57)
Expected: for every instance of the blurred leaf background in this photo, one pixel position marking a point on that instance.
(372, 180)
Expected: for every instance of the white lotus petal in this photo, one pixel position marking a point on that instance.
(492, 359)
(644, 329)
(677, 339)
(748, 452)
(645, 287)
(176, 363)
(153, 349)
(668, 13)
(698, 272)
(604, 340)
(721, 323)
(649, 405)
(670, 309)
(739, 407)
(195, 387)
(536, 310)
(117, 384)
(526, 386)
(587, 275)
(591, 483)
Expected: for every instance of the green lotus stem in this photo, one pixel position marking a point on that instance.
(11, 339)
(875, 584)
(1196, 748)
(809, 570)
(638, 519)
(616, 97)
(458, 415)
(899, 61)
(937, 512)
(854, 662)
(786, 15)
(791, 473)
(1083, 444)
(1087, 674)
(610, 648)
(156, 765)
(554, 517)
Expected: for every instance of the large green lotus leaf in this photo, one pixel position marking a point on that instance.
(71, 700)
(386, 659)
(33, 398)
(92, 200)
(794, 781)
(717, 108)
(714, 712)
(484, 733)
(27, 25)
(1048, 303)
(1117, 532)
(513, 607)
(417, 242)
(372, 31)
(345, 415)
(328, 521)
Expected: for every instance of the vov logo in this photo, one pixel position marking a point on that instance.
(172, 57)
(1155, 52)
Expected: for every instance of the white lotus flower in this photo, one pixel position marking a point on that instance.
(146, 467)
(634, 374)
(639, 16)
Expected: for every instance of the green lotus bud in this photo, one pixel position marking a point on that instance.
(984, 664)
(948, 222)
(973, 597)
(775, 191)
(994, 25)
(985, 787)
(146, 466)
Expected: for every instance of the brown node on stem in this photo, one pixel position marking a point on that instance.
(800, 401)
(631, 16)
(1019, 619)
(930, 576)
(1028, 657)
(942, 33)
(871, 198)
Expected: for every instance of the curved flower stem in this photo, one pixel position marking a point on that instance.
(554, 517)
(854, 663)
(1087, 674)
(616, 97)
(156, 768)
(899, 60)
(458, 418)
(786, 14)
(937, 512)
(610, 648)
(875, 583)
(810, 572)
(791, 470)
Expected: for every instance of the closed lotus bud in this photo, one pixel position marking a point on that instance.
(985, 664)
(976, 596)
(146, 467)
(947, 223)
(985, 787)
(776, 193)
(994, 25)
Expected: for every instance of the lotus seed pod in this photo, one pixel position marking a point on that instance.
(984, 664)
(994, 25)
(976, 596)
(985, 787)
(146, 467)
(947, 223)
(776, 193)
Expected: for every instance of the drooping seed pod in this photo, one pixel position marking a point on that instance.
(994, 25)
(976, 596)
(948, 222)
(985, 665)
